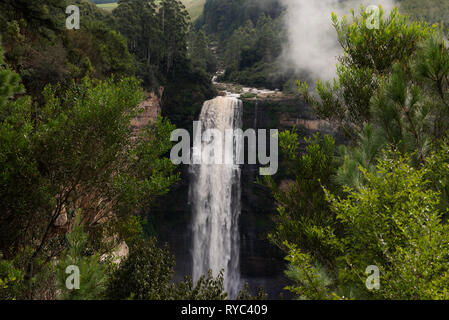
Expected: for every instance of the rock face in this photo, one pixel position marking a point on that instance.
(287, 120)
(149, 110)
(120, 252)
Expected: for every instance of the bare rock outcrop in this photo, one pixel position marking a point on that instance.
(149, 110)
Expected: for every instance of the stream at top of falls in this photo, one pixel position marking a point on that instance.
(215, 189)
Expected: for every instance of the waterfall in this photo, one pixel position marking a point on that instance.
(215, 197)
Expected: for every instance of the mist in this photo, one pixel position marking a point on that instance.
(312, 46)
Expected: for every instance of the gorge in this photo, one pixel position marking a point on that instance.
(175, 219)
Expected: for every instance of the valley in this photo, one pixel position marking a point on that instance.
(98, 203)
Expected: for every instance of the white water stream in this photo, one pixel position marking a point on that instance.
(215, 197)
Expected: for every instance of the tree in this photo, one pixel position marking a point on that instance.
(44, 16)
(369, 56)
(391, 210)
(147, 274)
(92, 274)
(206, 288)
(409, 112)
(40, 48)
(18, 179)
(304, 216)
(136, 20)
(393, 223)
(78, 153)
(199, 53)
(245, 294)
(156, 33)
(10, 280)
(252, 51)
(173, 19)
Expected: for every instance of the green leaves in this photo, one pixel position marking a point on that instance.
(311, 281)
(303, 213)
(395, 40)
(78, 152)
(369, 55)
(206, 288)
(156, 34)
(92, 274)
(145, 274)
(390, 97)
(10, 279)
(394, 222)
(252, 50)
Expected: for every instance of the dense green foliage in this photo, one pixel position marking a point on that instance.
(222, 18)
(369, 56)
(301, 219)
(199, 53)
(157, 35)
(77, 148)
(70, 145)
(143, 38)
(147, 273)
(250, 36)
(252, 52)
(42, 51)
(10, 279)
(93, 275)
(393, 223)
(383, 200)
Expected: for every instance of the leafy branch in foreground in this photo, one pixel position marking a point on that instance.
(93, 273)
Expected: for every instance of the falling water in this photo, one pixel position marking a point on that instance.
(215, 196)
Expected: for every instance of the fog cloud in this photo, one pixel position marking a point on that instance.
(312, 47)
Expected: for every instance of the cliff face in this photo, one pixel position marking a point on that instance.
(149, 110)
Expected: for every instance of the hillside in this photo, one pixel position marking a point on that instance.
(194, 7)
(431, 10)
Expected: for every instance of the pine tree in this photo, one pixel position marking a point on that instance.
(369, 56)
(409, 112)
(93, 274)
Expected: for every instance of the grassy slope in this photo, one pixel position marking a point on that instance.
(108, 6)
(194, 7)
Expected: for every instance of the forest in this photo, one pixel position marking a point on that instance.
(357, 211)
